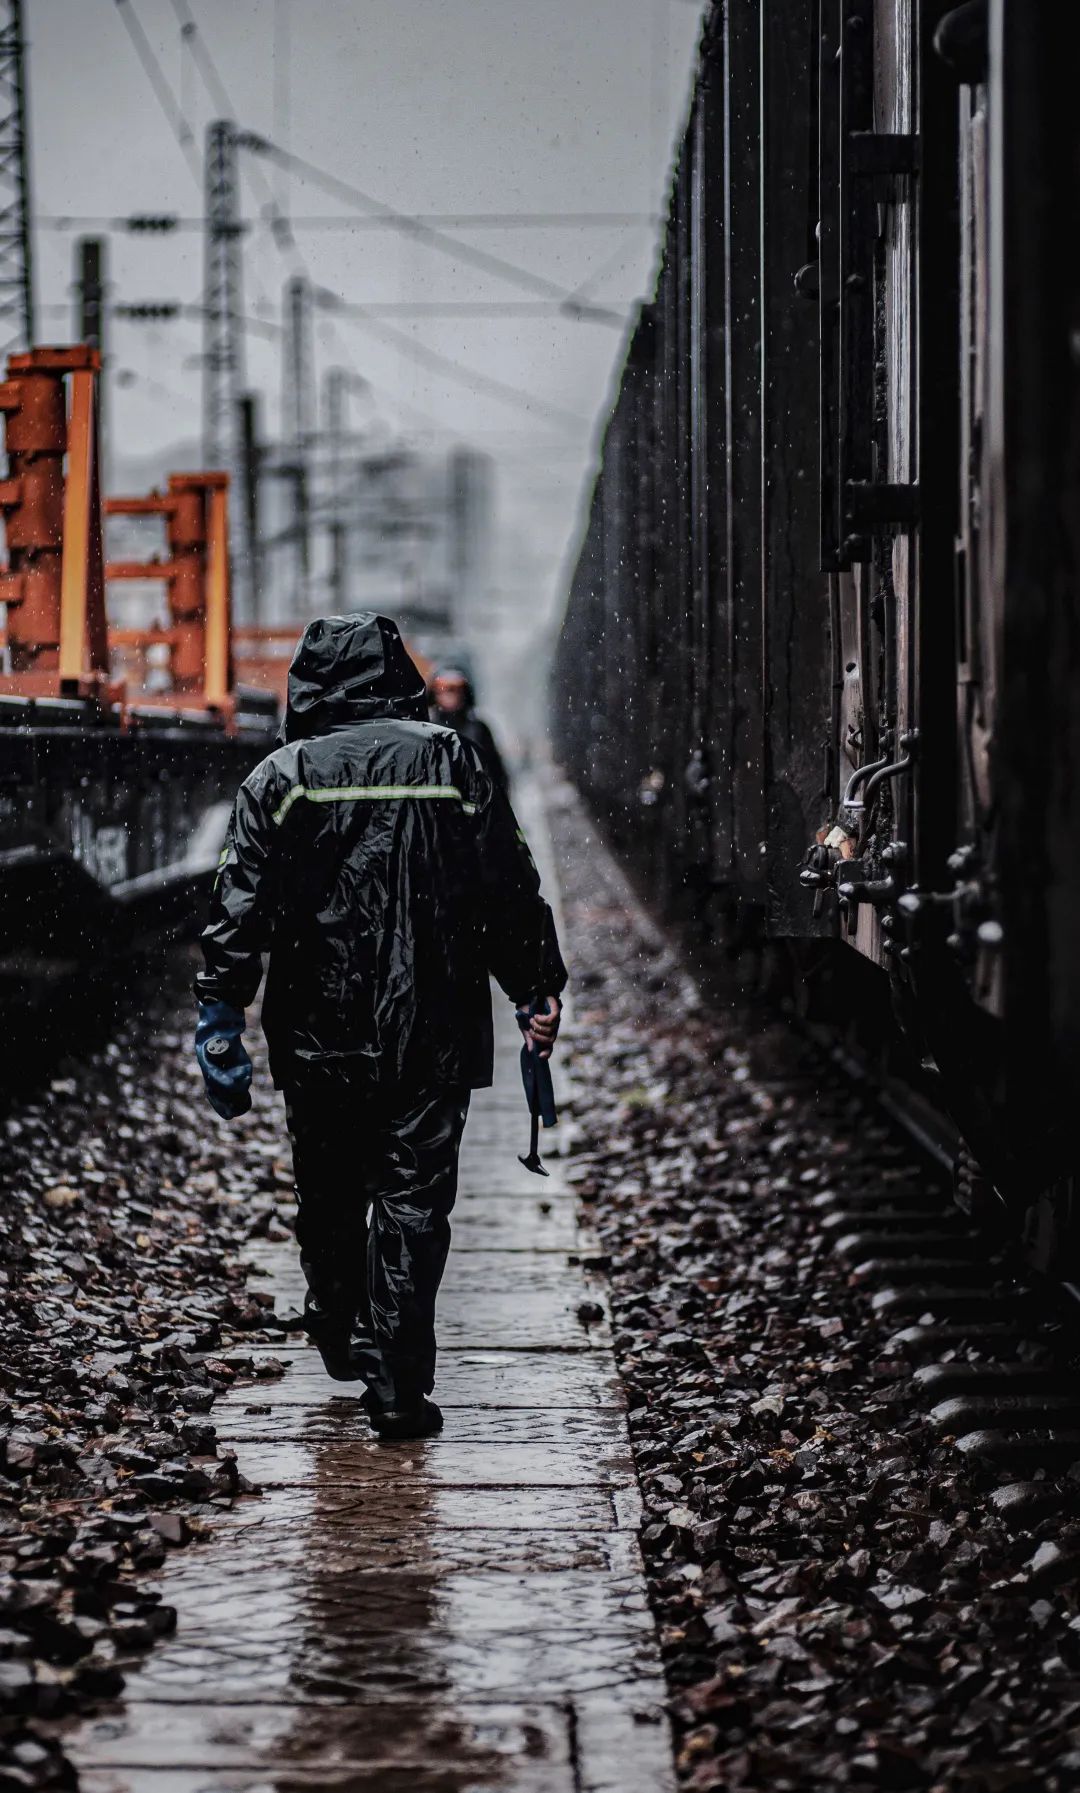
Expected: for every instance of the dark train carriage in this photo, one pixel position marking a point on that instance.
(817, 665)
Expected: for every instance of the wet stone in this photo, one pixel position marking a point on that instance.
(119, 1261)
(476, 1379)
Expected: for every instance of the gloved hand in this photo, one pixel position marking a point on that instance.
(544, 1015)
(536, 1056)
(225, 1065)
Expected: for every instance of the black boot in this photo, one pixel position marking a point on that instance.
(331, 1334)
(394, 1423)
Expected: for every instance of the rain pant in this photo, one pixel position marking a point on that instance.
(377, 862)
(375, 1183)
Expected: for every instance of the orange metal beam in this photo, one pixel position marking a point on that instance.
(83, 646)
(139, 569)
(140, 638)
(196, 576)
(218, 671)
(282, 632)
(152, 505)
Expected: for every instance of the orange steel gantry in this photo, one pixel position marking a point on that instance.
(196, 574)
(54, 585)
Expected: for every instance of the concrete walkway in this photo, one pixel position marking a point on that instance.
(466, 1613)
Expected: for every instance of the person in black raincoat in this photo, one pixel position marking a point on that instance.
(377, 861)
(453, 704)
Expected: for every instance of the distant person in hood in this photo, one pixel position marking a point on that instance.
(377, 861)
(452, 706)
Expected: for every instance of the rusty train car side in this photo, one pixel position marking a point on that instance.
(817, 664)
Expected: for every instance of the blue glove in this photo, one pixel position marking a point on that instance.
(225, 1066)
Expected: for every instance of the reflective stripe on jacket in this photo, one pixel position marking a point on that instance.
(375, 860)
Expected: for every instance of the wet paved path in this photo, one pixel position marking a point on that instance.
(466, 1613)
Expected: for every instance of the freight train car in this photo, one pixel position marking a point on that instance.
(818, 668)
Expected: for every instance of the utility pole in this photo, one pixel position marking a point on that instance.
(251, 460)
(90, 323)
(298, 422)
(335, 440)
(298, 385)
(223, 342)
(16, 247)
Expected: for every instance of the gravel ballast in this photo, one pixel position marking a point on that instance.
(124, 1309)
(837, 1601)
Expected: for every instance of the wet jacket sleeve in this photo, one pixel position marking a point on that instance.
(521, 945)
(242, 906)
(493, 759)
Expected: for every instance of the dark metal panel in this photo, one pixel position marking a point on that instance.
(855, 279)
(1034, 457)
(710, 445)
(937, 350)
(644, 549)
(828, 279)
(676, 571)
(743, 437)
(794, 590)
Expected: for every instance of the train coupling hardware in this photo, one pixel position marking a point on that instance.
(862, 883)
(832, 848)
(976, 930)
(816, 873)
(871, 778)
(876, 879)
(963, 911)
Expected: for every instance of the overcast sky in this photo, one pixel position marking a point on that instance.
(429, 106)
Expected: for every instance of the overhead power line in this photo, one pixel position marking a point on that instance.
(373, 210)
(353, 221)
(462, 310)
(472, 377)
(212, 80)
(201, 56)
(477, 381)
(412, 226)
(479, 308)
(216, 87)
(148, 311)
(166, 99)
(177, 119)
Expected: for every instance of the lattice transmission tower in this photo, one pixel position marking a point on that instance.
(223, 340)
(223, 380)
(16, 247)
(298, 424)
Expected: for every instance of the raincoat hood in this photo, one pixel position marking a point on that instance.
(451, 670)
(350, 669)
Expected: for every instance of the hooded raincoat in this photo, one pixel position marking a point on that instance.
(376, 861)
(467, 722)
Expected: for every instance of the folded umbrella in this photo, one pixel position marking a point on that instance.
(539, 1092)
